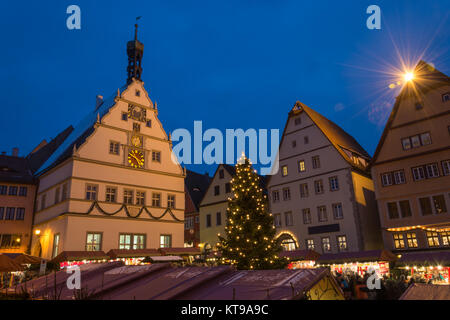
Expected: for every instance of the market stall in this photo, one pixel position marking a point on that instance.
(70, 258)
(430, 266)
(358, 262)
(132, 257)
(8, 270)
(300, 259)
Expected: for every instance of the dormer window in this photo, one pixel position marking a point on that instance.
(446, 97)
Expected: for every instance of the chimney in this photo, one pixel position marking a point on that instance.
(15, 152)
(98, 101)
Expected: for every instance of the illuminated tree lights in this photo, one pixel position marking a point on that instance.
(250, 242)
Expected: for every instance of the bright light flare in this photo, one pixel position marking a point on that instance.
(409, 76)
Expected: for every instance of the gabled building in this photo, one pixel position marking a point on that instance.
(196, 185)
(112, 183)
(213, 206)
(322, 198)
(411, 165)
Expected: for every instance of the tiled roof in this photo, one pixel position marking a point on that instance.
(79, 256)
(15, 169)
(423, 291)
(79, 134)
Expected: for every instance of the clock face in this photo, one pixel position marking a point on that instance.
(136, 113)
(136, 159)
(136, 141)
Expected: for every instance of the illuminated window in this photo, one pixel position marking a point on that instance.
(445, 237)
(93, 241)
(284, 171)
(304, 190)
(165, 241)
(415, 141)
(412, 239)
(342, 243)
(433, 239)
(138, 241)
(306, 216)
(128, 196)
(125, 241)
(55, 249)
(91, 191)
(310, 244)
(399, 241)
(301, 166)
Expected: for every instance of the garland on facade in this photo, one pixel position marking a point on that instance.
(95, 204)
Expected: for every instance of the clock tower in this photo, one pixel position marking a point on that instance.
(135, 51)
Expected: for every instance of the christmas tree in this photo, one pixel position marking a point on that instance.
(249, 240)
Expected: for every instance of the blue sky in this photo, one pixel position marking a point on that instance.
(231, 64)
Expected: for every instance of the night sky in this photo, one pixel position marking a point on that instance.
(231, 64)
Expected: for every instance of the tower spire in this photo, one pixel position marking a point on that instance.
(135, 51)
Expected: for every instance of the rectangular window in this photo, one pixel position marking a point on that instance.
(125, 241)
(433, 239)
(446, 167)
(304, 190)
(111, 194)
(218, 218)
(128, 196)
(114, 147)
(406, 143)
(392, 210)
(318, 186)
(405, 208)
(337, 211)
(425, 138)
(57, 192)
(297, 121)
(221, 174)
(91, 191)
(306, 139)
(149, 123)
(277, 220)
(411, 239)
(284, 171)
(418, 173)
(2, 213)
(10, 213)
(156, 156)
(301, 166)
(399, 241)
(188, 223)
(3, 189)
(138, 241)
(208, 220)
(334, 183)
(93, 241)
(432, 170)
(275, 196)
(55, 249)
(294, 143)
(136, 127)
(65, 192)
(316, 162)
(227, 187)
(445, 237)
(399, 177)
(197, 219)
(12, 191)
(20, 214)
(6, 241)
(23, 191)
(322, 213)
(439, 204)
(386, 179)
(342, 243)
(171, 201)
(165, 241)
(288, 219)
(326, 245)
(306, 216)
(140, 198)
(216, 190)
(310, 244)
(156, 199)
(286, 194)
(425, 206)
(124, 116)
(415, 141)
